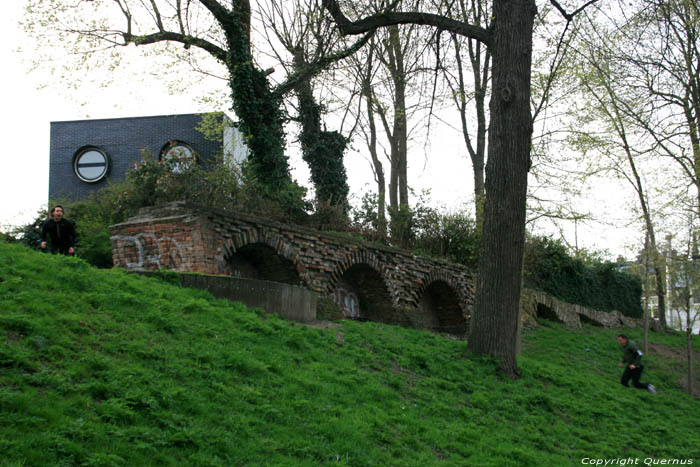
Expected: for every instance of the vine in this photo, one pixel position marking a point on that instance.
(323, 151)
(258, 108)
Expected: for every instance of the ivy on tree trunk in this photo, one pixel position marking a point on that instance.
(256, 105)
(323, 150)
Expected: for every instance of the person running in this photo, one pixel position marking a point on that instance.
(60, 232)
(632, 362)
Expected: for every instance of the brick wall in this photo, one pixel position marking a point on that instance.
(387, 284)
(122, 139)
(365, 281)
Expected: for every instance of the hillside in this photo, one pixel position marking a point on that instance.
(99, 367)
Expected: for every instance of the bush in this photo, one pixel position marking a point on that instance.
(449, 235)
(29, 234)
(423, 229)
(365, 219)
(549, 267)
(152, 182)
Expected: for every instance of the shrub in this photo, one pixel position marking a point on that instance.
(153, 182)
(449, 235)
(549, 267)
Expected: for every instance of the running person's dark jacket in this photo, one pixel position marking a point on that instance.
(61, 234)
(631, 354)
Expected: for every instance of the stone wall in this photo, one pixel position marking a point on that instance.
(367, 281)
(535, 304)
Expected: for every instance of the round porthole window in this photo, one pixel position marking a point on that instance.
(91, 165)
(179, 155)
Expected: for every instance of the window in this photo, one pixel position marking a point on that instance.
(179, 154)
(91, 164)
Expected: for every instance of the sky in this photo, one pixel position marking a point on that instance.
(34, 99)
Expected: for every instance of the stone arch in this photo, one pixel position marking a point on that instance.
(260, 254)
(360, 289)
(442, 304)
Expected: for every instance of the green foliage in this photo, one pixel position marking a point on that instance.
(329, 217)
(401, 228)
(452, 236)
(103, 367)
(423, 229)
(258, 108)
(152, 182)
(549, 267)
(323, 151)
(30, 234)
(365, 218)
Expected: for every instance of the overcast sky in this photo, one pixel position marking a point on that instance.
(33, 100)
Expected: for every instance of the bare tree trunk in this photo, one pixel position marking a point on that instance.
(480, 74)
(495, 326)
(372, 146)
(689, 341)
(645, 346)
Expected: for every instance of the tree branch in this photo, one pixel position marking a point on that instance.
(389, 18)
(217, 10)
(213, 49)
(570, 16)
(316, 67)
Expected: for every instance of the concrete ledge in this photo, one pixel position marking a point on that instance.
(289, 301)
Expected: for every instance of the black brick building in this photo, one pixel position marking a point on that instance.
(86, 154)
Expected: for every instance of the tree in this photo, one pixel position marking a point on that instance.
(684, 269)
(495, 321)
(613, 110)
(306, 35)
(478, 13)
(643, 80)
(663, 56)
(394, 86)
(391, 75)
(365, 69)
(223, 30)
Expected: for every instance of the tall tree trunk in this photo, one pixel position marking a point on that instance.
(372, 145)
(495, 324)
(255, 104)
(689, 346)
(322, 150)
(401, 216)
(645, 347)
(480, 73)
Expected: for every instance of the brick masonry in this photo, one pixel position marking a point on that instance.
(123, 140)
(366, 281)
(377, 282)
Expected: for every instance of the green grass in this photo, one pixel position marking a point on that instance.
(98, 367)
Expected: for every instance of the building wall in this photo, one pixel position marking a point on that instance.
(124, 140)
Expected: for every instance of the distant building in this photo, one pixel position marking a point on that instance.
(682, 291)
(85, 155)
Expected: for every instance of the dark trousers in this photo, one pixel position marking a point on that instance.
(634, 375)
(61, 249)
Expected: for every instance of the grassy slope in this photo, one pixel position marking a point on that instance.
(103, 368)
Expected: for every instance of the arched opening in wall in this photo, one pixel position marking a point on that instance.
(545, 312)
(362, 294)
(586, 320)
(262, 262)
(440, 305)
